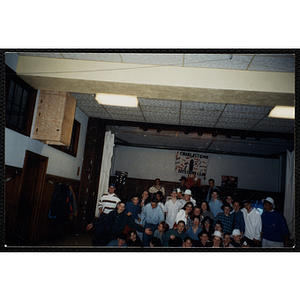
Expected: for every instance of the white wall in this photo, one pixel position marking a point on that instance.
(253, 173)
(59, 163)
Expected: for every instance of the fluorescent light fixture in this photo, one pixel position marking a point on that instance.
(284, 112)
(117, 100)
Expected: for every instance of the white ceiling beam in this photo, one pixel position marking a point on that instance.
(166, 82)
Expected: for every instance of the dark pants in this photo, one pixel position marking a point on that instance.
(101, 237)
(146, 237)
(251, 243)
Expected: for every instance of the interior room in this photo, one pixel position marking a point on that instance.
(213, 106)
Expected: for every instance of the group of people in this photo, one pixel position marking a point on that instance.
(188, 217)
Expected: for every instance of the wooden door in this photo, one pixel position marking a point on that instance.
(30, 197)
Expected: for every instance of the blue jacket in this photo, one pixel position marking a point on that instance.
(134, 209)
(239, 222)
(274, 226)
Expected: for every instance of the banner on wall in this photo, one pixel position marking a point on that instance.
(191, 163)
(229, 181)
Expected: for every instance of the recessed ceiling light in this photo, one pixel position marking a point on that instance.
(117, 100)
(284, 112)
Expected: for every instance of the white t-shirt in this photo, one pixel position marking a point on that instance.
(253, 223)
(172, 209)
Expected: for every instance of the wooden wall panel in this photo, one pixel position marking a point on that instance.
(90, 173)
(134, 185)
(46, 228)
(12, 183)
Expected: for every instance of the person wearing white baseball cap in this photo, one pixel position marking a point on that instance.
(275, 232)
(238, 240)
(188, 197)
(217, 239)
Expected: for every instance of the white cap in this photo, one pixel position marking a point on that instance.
(235, 232)
(218, 234)
(269, 199)
(188, 192)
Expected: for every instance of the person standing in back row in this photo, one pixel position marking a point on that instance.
(171, 209)
(157, 187)
(211, 188)
(183, 186)
(215, 204)
(108, 201)
(197, 192)
(253, 224)
(275, 232)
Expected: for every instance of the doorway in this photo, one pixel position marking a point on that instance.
(29, 198)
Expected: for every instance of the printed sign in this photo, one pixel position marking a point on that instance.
(229, 181)
(191, 163)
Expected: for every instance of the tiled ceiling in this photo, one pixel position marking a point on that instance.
(251, 62)
(189, 113)
(246, 117)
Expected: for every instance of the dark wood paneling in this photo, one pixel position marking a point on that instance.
(90, 173)
(48, 228)
(12, 184)
(135, 185)
(29, 197)
(45, 228)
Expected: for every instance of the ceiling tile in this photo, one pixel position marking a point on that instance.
(161, 114)
(99, 113)
(155, 109)
(249, 109)
(123, 117)
(134, 111)
(83, 96)
(159, 102)
(108, 57)
(275, 63)
(162, 118)
(199, 114)
(240, 117)
(193, 105)
(155, 59)
(213, 118)
(41, 54)
(277, 121)
(220, 61)
(275, 125)
(95, 114)
(227, 125)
